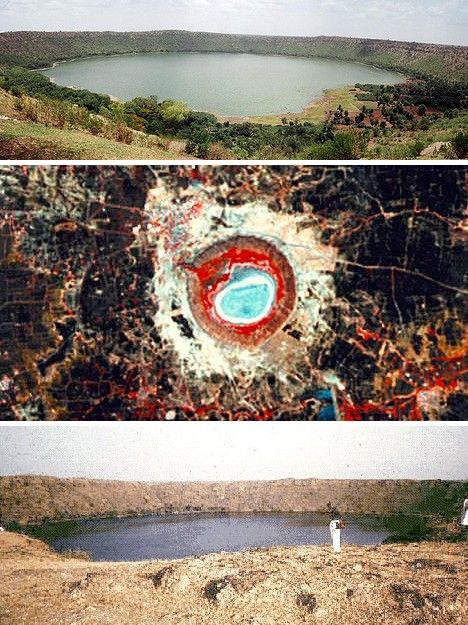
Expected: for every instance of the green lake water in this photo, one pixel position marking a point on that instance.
(222, 83)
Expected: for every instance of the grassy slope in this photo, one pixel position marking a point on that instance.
(386, 584)
(24, 139)
(38, 49)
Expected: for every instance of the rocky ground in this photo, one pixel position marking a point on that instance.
(413, 584)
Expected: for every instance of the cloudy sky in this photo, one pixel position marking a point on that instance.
(436, 21)
(235, 451)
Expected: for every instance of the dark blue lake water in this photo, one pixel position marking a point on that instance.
(178, 536)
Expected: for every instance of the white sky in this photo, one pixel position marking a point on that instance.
(184, 451)
(434, 21)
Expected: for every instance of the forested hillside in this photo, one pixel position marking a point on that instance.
(39, 49)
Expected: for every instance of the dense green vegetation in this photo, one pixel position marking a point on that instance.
(437, 517)
(18, 80)
(45, 531)
(403, 104)
(39, 49)
(203, 131)
(416, 105)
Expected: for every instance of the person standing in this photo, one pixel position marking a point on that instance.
(335, 530)
(464, 514)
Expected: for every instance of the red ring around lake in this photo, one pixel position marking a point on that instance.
(212, 269)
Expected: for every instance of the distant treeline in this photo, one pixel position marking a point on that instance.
(39, 49)
(435, 93)
(405, 105)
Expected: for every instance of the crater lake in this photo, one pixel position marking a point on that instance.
(227, 84)
(191, 534)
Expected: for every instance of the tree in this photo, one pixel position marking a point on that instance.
(142, 107)
(173, 112)
(421, 110)
(199, 144)
(460, 144)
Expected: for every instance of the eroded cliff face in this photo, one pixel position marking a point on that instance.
(34, 499)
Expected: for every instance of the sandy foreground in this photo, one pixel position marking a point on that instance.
(416, 584)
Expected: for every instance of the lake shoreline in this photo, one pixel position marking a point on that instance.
(182, 513)
(380, 584)
(299, 56)
(329, 98)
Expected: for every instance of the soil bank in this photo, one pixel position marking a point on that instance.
(425, 583)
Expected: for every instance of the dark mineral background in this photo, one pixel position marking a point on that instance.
(77, 338)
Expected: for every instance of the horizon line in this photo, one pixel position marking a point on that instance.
(234, 481)
(210, 32)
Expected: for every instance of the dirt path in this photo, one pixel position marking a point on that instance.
(417, 584)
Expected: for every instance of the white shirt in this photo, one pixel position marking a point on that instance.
(464, 514)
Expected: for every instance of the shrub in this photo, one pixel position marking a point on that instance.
(415, 148)
(459, 144)
(79, 554)
(214, 587)
(421, 110)
(173, 112)
(158, 577)
(345, 145)
(121, 132)
(407, 528)
(306, 600)
(199, 144)
(94, 125)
